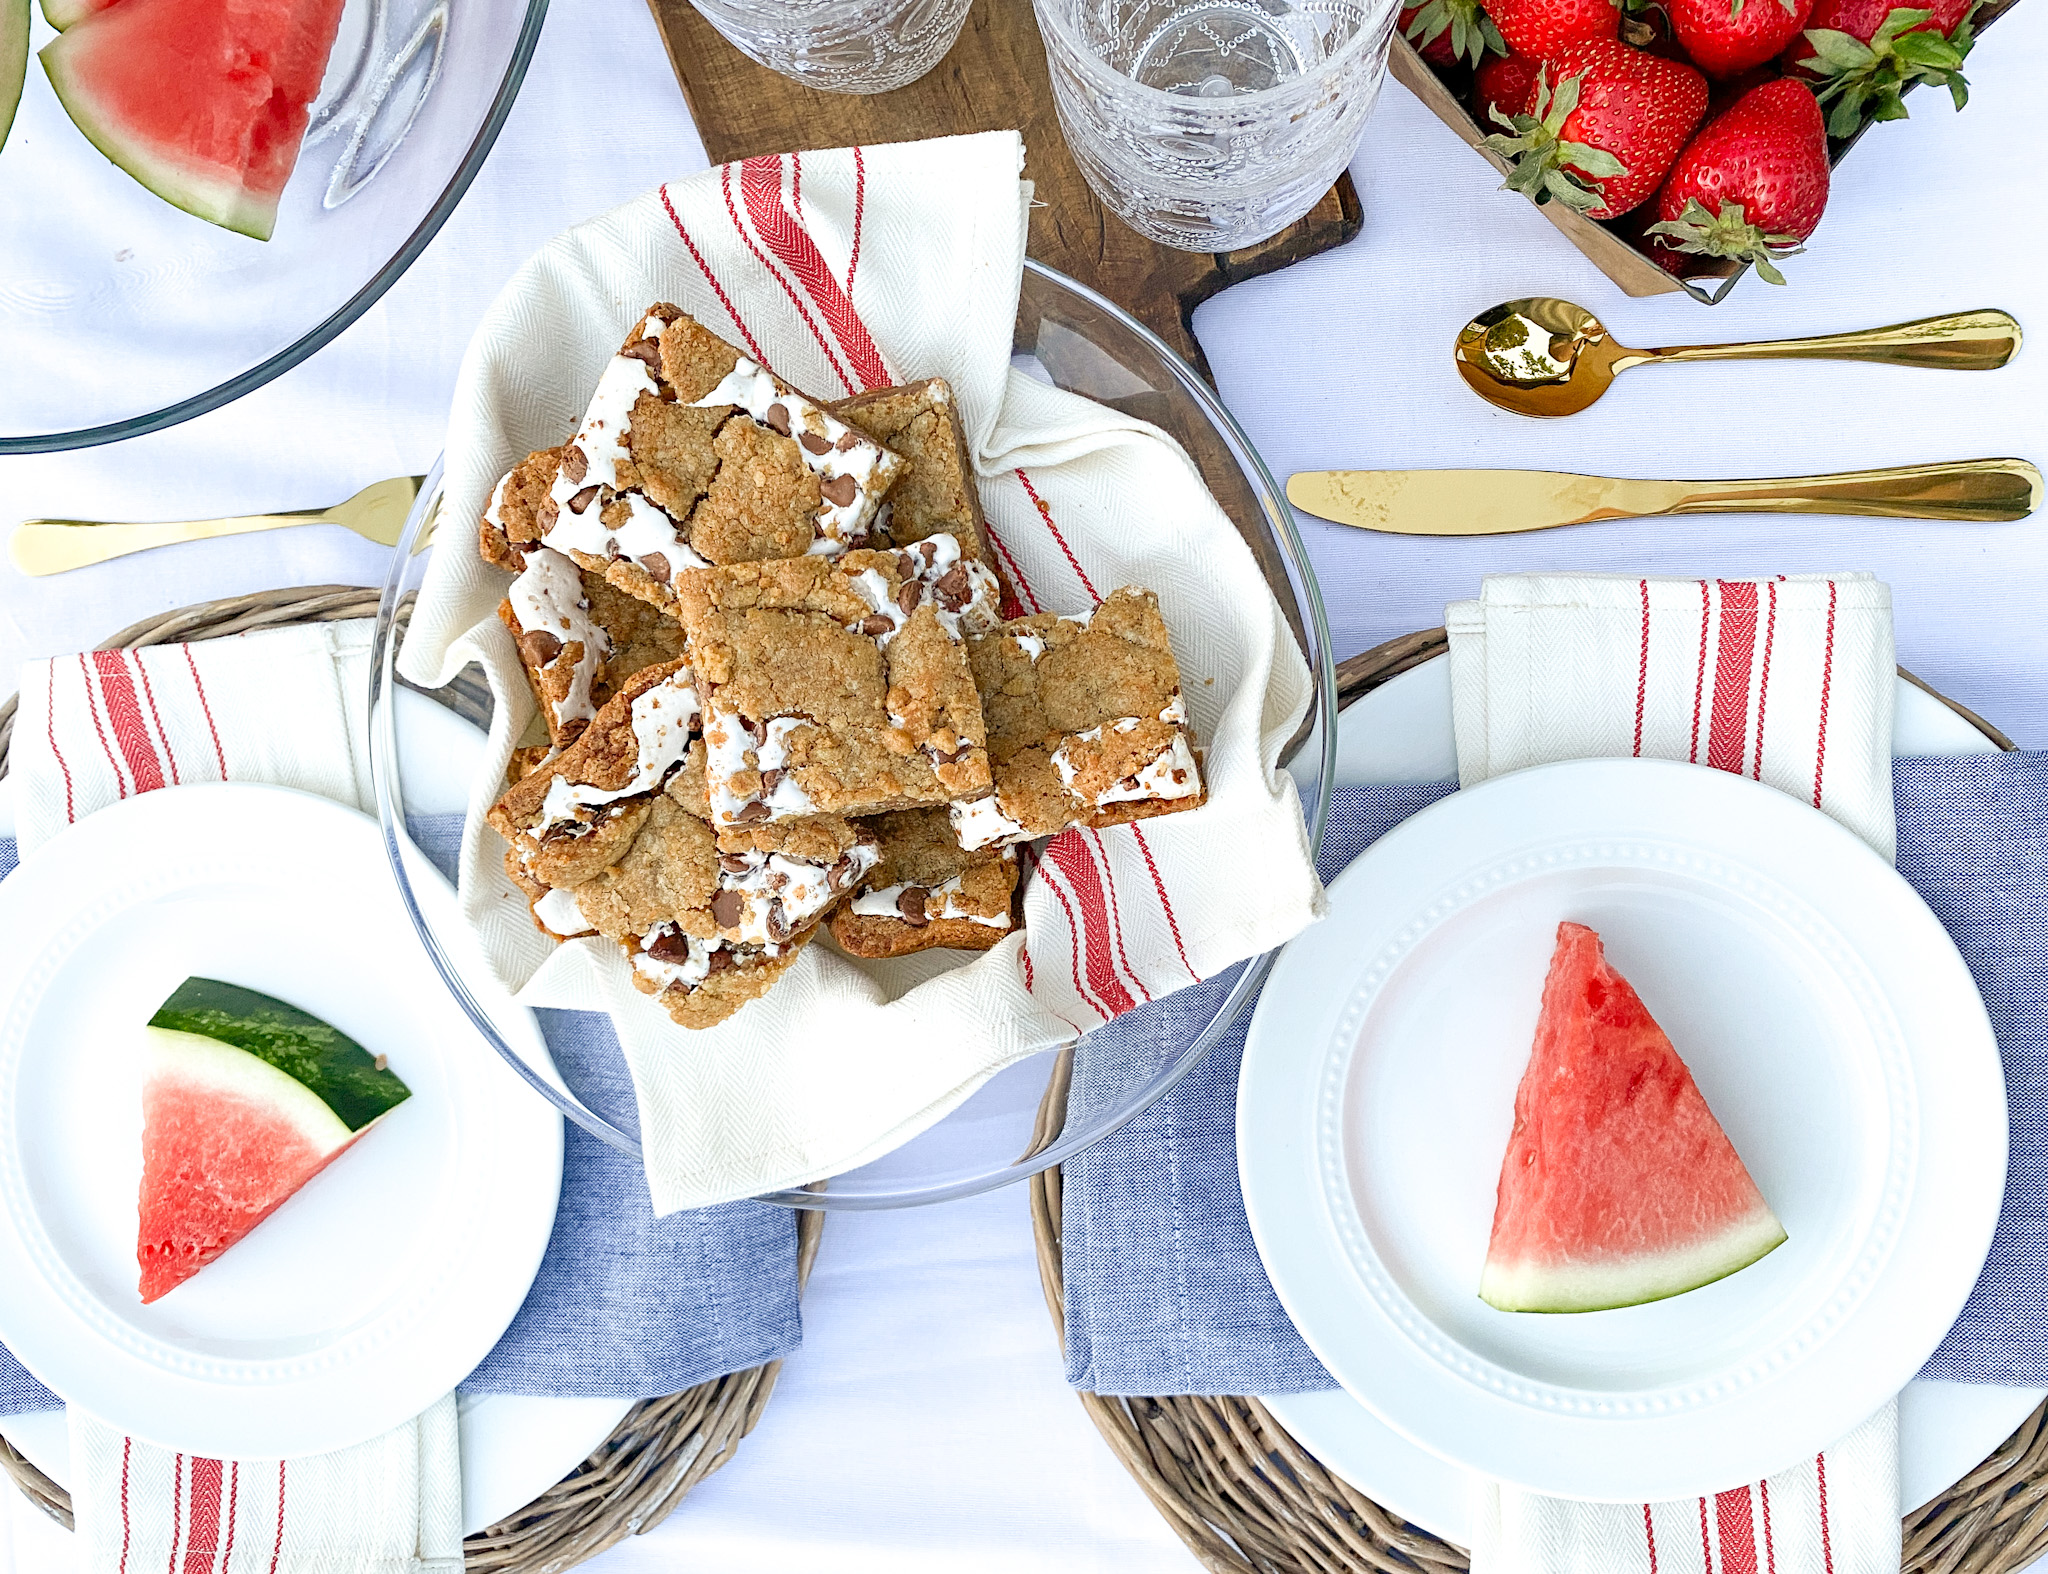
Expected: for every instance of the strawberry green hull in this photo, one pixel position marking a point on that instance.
(203, 101)
(1619, 1186)
(13, 61)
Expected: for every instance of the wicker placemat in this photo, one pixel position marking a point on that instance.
(1247, 1498)
(663, 1447)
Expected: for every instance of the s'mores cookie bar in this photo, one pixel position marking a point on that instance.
(935, 494)
(560, 643)
(1086, 725)
(839, 686)
(926, 891)
(511, 523)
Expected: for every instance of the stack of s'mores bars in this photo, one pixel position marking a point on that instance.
(764, 637)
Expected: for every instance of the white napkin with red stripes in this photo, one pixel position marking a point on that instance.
(848, 270)
(1788, 681)
(287, 707)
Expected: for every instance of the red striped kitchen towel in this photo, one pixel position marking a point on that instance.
(1788, 681)
(392, 1505)
(845, 270)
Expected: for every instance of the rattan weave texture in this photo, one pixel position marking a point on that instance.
(664, 1446)
(1247, 1498)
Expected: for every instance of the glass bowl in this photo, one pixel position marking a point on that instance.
(126, 315)
(1076, 339)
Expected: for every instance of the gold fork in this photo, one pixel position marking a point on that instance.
(50, 546)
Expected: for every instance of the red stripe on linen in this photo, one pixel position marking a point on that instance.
(227, 1556)
(1165, 905)
(277, 1547)
(1732, 1517)
(202, 1539)
(754, 194)
(804, 260)
(1074, 941)
(1827, 1545)
(1650, 1535)
(163, 738)
(1024, 958)
(70, 808)
(177, 1506)
(218, 753)
(1763, 689)
(1116, 917)
(1068, 852)
(1699, 682)
(1763, 1493)
(1734, 654)
(124, 713)
(92, 705)
(1643, 667)
(127, 1449)
(712, 279)
(1827, 680)
(1016, 574)
(860, 208)
(1051, 524)
(1706, 1543)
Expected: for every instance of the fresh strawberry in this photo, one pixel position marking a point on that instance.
(1447, 31)
(1601, 138)
(1866, 52)
(1502, 86)
(1750, 186)
(1543, 27)
(1726, 37)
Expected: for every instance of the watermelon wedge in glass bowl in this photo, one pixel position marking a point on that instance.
(106, 250)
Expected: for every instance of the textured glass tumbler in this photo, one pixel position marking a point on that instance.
(1213, 124)
(841, 46)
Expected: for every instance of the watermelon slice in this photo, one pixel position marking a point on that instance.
(13, 61)
(1619, 1186)
(60, 14)
(203, 101)
(244, 1100)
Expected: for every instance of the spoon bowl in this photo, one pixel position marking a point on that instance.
(1543, 356)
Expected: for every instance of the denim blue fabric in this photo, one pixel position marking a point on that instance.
(624, 1304)
(1165, 1291)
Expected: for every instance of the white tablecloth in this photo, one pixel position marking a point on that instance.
(925, 1425)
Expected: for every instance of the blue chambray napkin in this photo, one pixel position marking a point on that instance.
(1165, 1291)
(624, 1305)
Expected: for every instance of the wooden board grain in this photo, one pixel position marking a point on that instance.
(993, 79)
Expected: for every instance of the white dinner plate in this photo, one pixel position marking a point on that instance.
(1826, 1016)
(384, 1280)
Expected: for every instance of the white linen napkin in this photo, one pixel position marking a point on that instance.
(1788, 681)
(849, 270)
(288, 707)
(392, 1505)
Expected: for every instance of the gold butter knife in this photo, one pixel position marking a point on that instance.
(50, 546)
(1500, 502)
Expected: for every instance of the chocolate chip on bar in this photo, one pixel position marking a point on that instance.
(925, 891)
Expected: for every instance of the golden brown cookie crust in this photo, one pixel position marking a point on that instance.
(919, 853)
(511, 521)
(935, 494)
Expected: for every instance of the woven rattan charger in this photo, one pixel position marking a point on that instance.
(1248, 1499)
(664, 1446)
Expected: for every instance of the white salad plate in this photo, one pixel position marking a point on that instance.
(514, 1446)
(1827, 1018)
(386, 1278)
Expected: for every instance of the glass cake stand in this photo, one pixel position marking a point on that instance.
(1072, 337)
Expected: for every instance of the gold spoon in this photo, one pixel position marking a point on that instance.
(1544, 356)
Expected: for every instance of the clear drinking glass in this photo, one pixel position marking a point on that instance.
(841, 46)
(1213, 124)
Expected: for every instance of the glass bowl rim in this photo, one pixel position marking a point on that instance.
(331, 327)
(1320, 723)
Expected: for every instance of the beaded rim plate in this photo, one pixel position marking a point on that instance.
(1827, 1017)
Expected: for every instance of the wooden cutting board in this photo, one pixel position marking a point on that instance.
(993, 79)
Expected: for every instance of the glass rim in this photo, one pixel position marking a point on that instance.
(331, 327)
(1092, 64)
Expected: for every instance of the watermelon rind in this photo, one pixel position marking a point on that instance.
(195, 1060)
(318, 1057)
(13, 61)
(1636, 1281)
(60, 14)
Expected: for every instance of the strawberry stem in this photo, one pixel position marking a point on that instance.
(1728, 233)
(1473, 35)
(1545, 167)
(1867, 81)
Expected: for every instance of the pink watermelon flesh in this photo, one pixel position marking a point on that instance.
(203, 101)
(216, 1162)
(1619, 1186)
